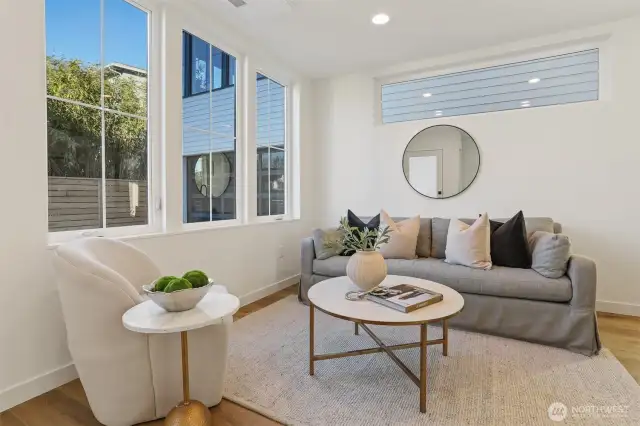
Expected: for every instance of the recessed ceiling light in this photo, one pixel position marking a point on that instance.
(380, 19)
(438, 113)
(534, 80)
(426, 95)
(525, 104)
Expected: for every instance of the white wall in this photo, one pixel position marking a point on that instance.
(576, 163)
(33, 353)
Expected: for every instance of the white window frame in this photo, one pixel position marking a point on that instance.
(240, 164)
(154, 165)
(287, 157)
(246, 182)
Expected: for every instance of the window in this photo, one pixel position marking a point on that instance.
(271, 147)
(209, 132)
(202, 64)
(97, 138)
(549, 81)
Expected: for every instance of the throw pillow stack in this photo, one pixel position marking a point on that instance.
(486, 243)
(480, 244)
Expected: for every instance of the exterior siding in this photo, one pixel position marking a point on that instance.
(196, 131)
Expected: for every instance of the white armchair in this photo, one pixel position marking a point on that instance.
(129, 377)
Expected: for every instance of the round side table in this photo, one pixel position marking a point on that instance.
(147, 317)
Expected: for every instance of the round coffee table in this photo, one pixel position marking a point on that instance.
(147, 317)
(329, 297)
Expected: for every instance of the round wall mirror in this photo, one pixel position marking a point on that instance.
(212, 175)
(441, 161)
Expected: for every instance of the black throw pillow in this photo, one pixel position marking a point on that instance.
(509, 244)
(356, 222)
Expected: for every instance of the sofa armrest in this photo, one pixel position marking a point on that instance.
(582, 273)
(306, 268)
(308, 255)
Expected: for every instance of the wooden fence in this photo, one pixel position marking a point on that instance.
(76, 203)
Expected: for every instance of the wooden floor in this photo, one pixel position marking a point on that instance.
(68, 406)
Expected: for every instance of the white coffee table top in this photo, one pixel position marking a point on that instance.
(329, 295)
(147, 317)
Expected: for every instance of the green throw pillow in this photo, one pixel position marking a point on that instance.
(326, 243)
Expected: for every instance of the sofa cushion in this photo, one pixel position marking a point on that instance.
(499, 281)
(423, 249)
(332, 267)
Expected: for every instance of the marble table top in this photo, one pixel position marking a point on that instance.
(147, 317)
(329, 295)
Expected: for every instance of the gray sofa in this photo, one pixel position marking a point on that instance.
(508, 302)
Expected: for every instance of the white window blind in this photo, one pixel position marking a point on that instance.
(541, 82)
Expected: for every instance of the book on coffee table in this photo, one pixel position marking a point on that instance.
(404, 297)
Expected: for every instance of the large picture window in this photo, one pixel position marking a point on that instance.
(271, 147)
(209, 132)
(97, 65)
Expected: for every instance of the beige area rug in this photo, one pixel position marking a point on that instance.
(485, 380)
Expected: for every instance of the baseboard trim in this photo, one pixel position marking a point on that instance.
(619, 308)
(268, 290)
(17, 394)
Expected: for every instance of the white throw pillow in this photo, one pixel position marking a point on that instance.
(403, 237)
(469, 245)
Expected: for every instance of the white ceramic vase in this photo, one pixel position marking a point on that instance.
(367, 269)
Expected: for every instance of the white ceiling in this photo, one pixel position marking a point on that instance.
(329, 37)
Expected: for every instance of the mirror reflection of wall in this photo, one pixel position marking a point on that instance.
(441, 161)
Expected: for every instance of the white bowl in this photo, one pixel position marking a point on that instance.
(177, 301)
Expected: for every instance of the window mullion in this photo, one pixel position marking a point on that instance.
(209, 192)
(269, 143)
(103, 150)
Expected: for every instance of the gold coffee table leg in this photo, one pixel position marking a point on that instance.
(188, 412)
(423, 368)
(311, 337)
(445, 338)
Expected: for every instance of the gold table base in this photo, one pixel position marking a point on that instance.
(192, 413)
(189, 412)
(421, 381)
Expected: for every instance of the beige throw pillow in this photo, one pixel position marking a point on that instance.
(403, 237)
(469, 245)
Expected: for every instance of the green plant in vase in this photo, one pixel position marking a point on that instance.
(366, 267)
